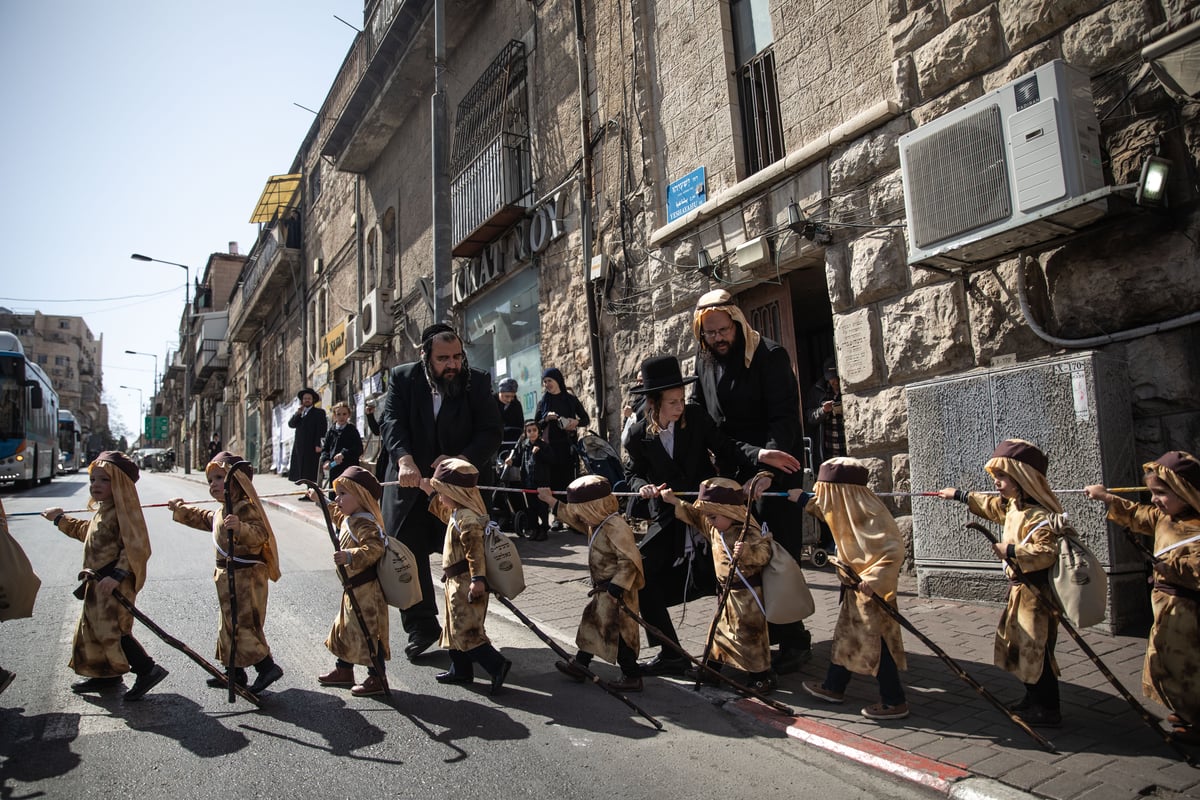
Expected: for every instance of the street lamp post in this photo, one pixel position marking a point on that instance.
(187, 355)
(154, 385)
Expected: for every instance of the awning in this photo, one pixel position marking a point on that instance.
(279, 195)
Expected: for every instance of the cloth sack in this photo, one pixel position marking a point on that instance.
(505, 576)
(1077, 578)
(18, 582)
(397, 572)
(786, 596)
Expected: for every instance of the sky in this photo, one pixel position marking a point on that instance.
(143, 126)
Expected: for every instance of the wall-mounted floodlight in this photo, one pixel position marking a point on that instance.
(1152, 186)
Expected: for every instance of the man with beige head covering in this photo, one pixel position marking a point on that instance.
(748, 386)
(616, 570)
(117, 547)
(866, 639)
(1028, 628)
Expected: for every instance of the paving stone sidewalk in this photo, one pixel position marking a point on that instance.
(1105, 750)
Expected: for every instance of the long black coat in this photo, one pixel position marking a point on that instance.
(467, 426)
(310, 430)
(347, 442)
(648, 463)
(760, 405)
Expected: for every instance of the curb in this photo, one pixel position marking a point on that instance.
(954, 782)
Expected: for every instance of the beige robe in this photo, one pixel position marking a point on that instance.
(1171, 670)
(613, 557)
(361, 537)
(251, 581)
(867, 540)
(741, 639)
(464, 628)
(1027, 624)
(96, 649)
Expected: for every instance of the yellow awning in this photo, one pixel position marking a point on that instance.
(279, 195)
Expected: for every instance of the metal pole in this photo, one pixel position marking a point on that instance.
(441, 177)
(585, 220)
(187, 364)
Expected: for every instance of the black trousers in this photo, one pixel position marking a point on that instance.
(669, 584)
(423, 533)
(139, 661)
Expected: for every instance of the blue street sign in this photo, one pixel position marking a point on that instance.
(685, 194)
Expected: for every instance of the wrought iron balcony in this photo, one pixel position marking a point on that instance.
(491, 194)
(211, 357)
(266, 277)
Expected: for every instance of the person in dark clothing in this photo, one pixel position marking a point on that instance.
(511, 411)
(436, 408)
(536, 461)
(560, 415)
(748, 386)
(343, 445)
(669, 449)
(310, 424)
(825, 415)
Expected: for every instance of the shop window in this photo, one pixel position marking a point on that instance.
(503, 332)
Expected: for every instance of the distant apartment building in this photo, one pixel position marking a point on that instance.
(64, 347)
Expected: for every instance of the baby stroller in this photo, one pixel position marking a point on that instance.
(599, 458)
(811, 532)
(510, 510)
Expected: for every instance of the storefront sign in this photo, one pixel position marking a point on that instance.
(515, 248)
(333, 346)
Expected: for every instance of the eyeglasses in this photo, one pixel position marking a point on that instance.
(719, 333)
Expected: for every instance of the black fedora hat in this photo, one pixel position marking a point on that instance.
(306, 390)
(660, 373)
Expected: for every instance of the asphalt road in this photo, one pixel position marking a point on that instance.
(541, 737)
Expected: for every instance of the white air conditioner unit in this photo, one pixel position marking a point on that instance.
(375, 321)
(1004, 172)
(354, 351)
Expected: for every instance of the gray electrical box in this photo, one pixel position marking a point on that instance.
(1078, 410)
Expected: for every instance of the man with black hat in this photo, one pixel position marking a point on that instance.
(748, 386)
(310, 424)
(825, 414)
(436, 408)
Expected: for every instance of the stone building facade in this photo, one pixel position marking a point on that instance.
(794, 112)
(65, 348)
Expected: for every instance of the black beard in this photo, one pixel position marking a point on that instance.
(453, 387)
(735, 354)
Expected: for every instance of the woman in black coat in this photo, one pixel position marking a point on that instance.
(560, 416)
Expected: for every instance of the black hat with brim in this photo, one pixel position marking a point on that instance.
(308, 390)
(660, 373)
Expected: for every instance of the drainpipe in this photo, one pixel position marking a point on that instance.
(585, 221)
(441, 178)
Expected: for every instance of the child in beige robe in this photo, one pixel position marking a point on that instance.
(615, 566)
(1171, 670)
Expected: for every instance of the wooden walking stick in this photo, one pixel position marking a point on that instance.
(230, 564)
(852, 579)
(557, 648)
(1046, 599)
(722, 677)
(242, 691)
(723, 597)
(374, 645)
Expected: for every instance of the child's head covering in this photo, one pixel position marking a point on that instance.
(1027, 465)
(458, 479)
(592, 499)
(721, 300)
(866, 535)
(722, 496)
(123, 473)
(365, 488)
(1181, 472)
(225, 460)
